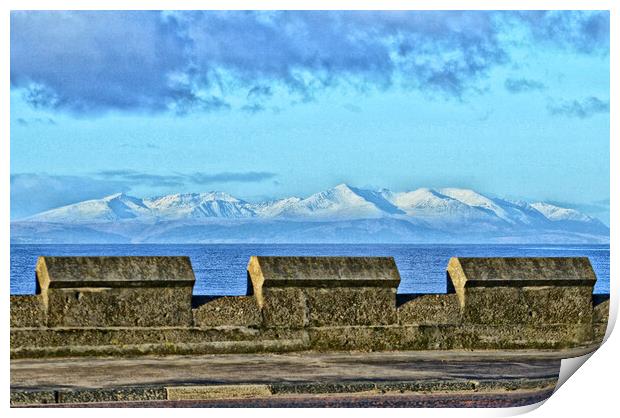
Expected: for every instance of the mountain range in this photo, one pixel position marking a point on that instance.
(340, 214)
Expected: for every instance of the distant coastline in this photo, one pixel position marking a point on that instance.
(343, 214)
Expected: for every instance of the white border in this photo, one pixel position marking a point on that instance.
(591, 392)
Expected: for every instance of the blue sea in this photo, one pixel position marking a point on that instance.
(220, 269)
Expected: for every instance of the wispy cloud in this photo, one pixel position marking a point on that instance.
(35, 121)
(583, 32)
(231, 177)
(520, 85)
(579, 108)
(134, 178)
(93, 61)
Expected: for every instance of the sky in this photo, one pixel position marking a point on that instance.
(265, 105)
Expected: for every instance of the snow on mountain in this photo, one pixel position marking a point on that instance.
(273, 208)
(199, 206)
(432, 205)
(511, 212)
(413, 215)
(341, 202)
(476, 200)
(556, 213)
(111, 208)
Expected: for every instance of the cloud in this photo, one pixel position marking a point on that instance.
(259, 92)
(253, 108)
(230, 177)
(89, 62)
(176, 180)
(580, 31)
(35, 121)
(34, 193)
(520, 85)
(579, 108)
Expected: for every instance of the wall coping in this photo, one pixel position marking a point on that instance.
(125, 272)
(523, 271)
(517, 272)
(325, 271)
(321, 272)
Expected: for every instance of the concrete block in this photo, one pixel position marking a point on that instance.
(118, 307)
(224, 311)
(600, 314)
(112, 395)
(428, 309)
(359, 338)
(33, 397)
(523, 336)
(520, 271)
(70, 342)
(285, 308)
(600, 317)
(321, 272)
(27, 311)
(183, 393)
(527, 305)
(496, 291)
(116, 291)
(350, 306)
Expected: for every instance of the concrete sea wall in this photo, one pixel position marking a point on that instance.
(88, 306)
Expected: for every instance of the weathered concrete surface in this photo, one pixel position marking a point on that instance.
(350, 306)
(75, 272)
(111, 395)
(449, 337)
(550, 296)
(222, 311)
(178, 393)
(116, 291)
(118, 307)
(600, 316)
(528, 305)
(318, 272)
(30, 342)
(33, 397)
(303, 303)
(368, 399)
(601, 308)
(284, 308)
(428, 309)
(521, 271)
(298, 368)
(27, 311)
(480, 377)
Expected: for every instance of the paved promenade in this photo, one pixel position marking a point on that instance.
(418, 378)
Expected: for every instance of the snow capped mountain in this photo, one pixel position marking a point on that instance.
(476, 200)
(116, 207)
(412, 216)
(199, 206)
(341, 202)
(273, 208)
(431, 205)
(556, 213)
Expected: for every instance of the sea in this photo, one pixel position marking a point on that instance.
(220, 269)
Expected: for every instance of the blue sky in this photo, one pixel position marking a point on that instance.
(273, 104)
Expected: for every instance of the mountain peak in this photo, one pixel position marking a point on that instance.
(445, 210)
(118, 195)
(556, 213)
(343, 187)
